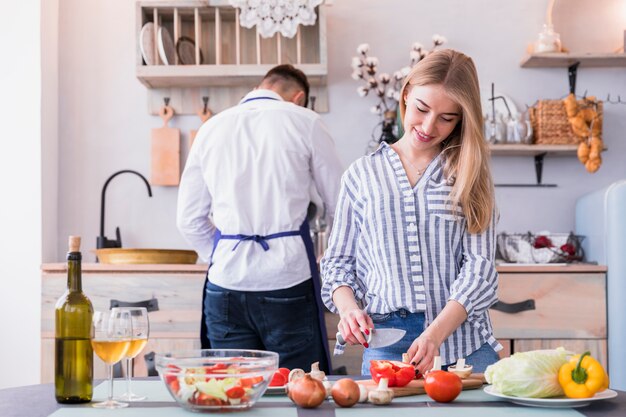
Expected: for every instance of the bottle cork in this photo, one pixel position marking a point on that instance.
(74, 243)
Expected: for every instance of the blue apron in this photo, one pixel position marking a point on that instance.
(305, 234)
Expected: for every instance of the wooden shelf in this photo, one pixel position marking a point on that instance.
(533, 150)
(164, 76)
(564, 60)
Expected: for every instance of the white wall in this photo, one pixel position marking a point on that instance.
(20, 181)
(105, 126)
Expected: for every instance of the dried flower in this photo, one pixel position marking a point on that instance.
(386, 87)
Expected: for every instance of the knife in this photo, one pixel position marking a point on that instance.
(379, 337)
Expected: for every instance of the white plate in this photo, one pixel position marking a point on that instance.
(146, 43)
(554, 402)
(276, 390)
(167, 50)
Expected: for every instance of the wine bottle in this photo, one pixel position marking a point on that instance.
(73, 354)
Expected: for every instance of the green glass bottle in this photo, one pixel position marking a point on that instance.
(73, 354)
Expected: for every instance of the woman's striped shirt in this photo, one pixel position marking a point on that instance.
(403, 247)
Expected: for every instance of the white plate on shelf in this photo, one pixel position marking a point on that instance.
(276, 390)
(554, 402)
(167, 50)
(146, 43)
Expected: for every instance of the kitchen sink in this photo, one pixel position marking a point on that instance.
(145, 256)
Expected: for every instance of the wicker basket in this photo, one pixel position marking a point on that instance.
(550, 123)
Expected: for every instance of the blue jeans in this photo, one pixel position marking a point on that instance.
(283, 321)
(413, 323)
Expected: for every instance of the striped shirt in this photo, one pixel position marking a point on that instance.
(402, 247)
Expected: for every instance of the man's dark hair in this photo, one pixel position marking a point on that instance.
(288, 72)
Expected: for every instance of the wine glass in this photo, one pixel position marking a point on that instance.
(111, 336)
(139, 339)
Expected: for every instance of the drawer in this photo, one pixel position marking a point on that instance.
(567, 306)
(179, 299)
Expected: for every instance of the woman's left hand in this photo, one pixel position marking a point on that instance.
(423, 351)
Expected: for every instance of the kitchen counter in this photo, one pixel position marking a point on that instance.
(18, 402)
(201, 268)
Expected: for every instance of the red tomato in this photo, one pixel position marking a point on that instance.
(284, 372)
(217, 368)
(248, 382)
(174, 385)
(278, 380)
(205, 399)
(169, 378)
(235, 392)
(397, 373)
(442, 386)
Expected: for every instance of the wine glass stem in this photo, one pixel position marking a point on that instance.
(110, 374)
(129, 371)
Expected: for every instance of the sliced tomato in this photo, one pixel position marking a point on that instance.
(278, 380)
(235, 392)
(249, 382)
(397, 373)
(174, 385)
(217, 368)
(204, 399)
(284, 372)
(169, 378)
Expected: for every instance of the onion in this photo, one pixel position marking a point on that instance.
(307, 392)
(345, 392)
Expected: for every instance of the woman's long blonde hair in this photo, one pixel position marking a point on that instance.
(465, 151)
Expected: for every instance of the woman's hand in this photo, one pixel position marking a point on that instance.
(423, 351)
(354, 325)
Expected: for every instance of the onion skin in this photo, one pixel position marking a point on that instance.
(345, 392)
(307, 392)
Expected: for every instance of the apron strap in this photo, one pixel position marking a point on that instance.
(317, 286)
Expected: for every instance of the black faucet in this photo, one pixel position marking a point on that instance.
(102, 241)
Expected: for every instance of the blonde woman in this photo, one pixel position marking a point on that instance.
(413, 242)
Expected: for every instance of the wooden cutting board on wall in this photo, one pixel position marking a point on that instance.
(416, 386)
(165, 151)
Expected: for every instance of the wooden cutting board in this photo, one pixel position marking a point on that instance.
(416, 386)
(205, 114)
(165, 151)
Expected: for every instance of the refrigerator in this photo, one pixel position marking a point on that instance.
(601, 218)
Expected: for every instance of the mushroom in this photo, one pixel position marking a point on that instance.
(460, 369)
(437, 364)
(316, 373)
(362, 393)
(382, 395)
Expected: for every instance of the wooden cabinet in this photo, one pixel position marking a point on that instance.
(176, 289)
(569, 308)
(224, 60)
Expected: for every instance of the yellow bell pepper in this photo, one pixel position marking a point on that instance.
(582, 377)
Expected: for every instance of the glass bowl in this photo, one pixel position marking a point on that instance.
(217, 379)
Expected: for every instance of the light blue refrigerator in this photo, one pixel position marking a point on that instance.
(601, 218)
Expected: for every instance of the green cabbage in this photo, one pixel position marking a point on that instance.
(531, 374)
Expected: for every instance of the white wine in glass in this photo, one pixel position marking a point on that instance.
(111, 338)
(140, 333)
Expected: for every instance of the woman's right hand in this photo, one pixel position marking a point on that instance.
(354, 326)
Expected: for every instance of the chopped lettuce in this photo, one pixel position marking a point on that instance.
(531, 374)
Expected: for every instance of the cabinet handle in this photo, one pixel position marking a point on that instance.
(512, 308)
(150, 366)
(150, 305)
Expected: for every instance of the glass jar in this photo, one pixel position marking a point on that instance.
(548, 40)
